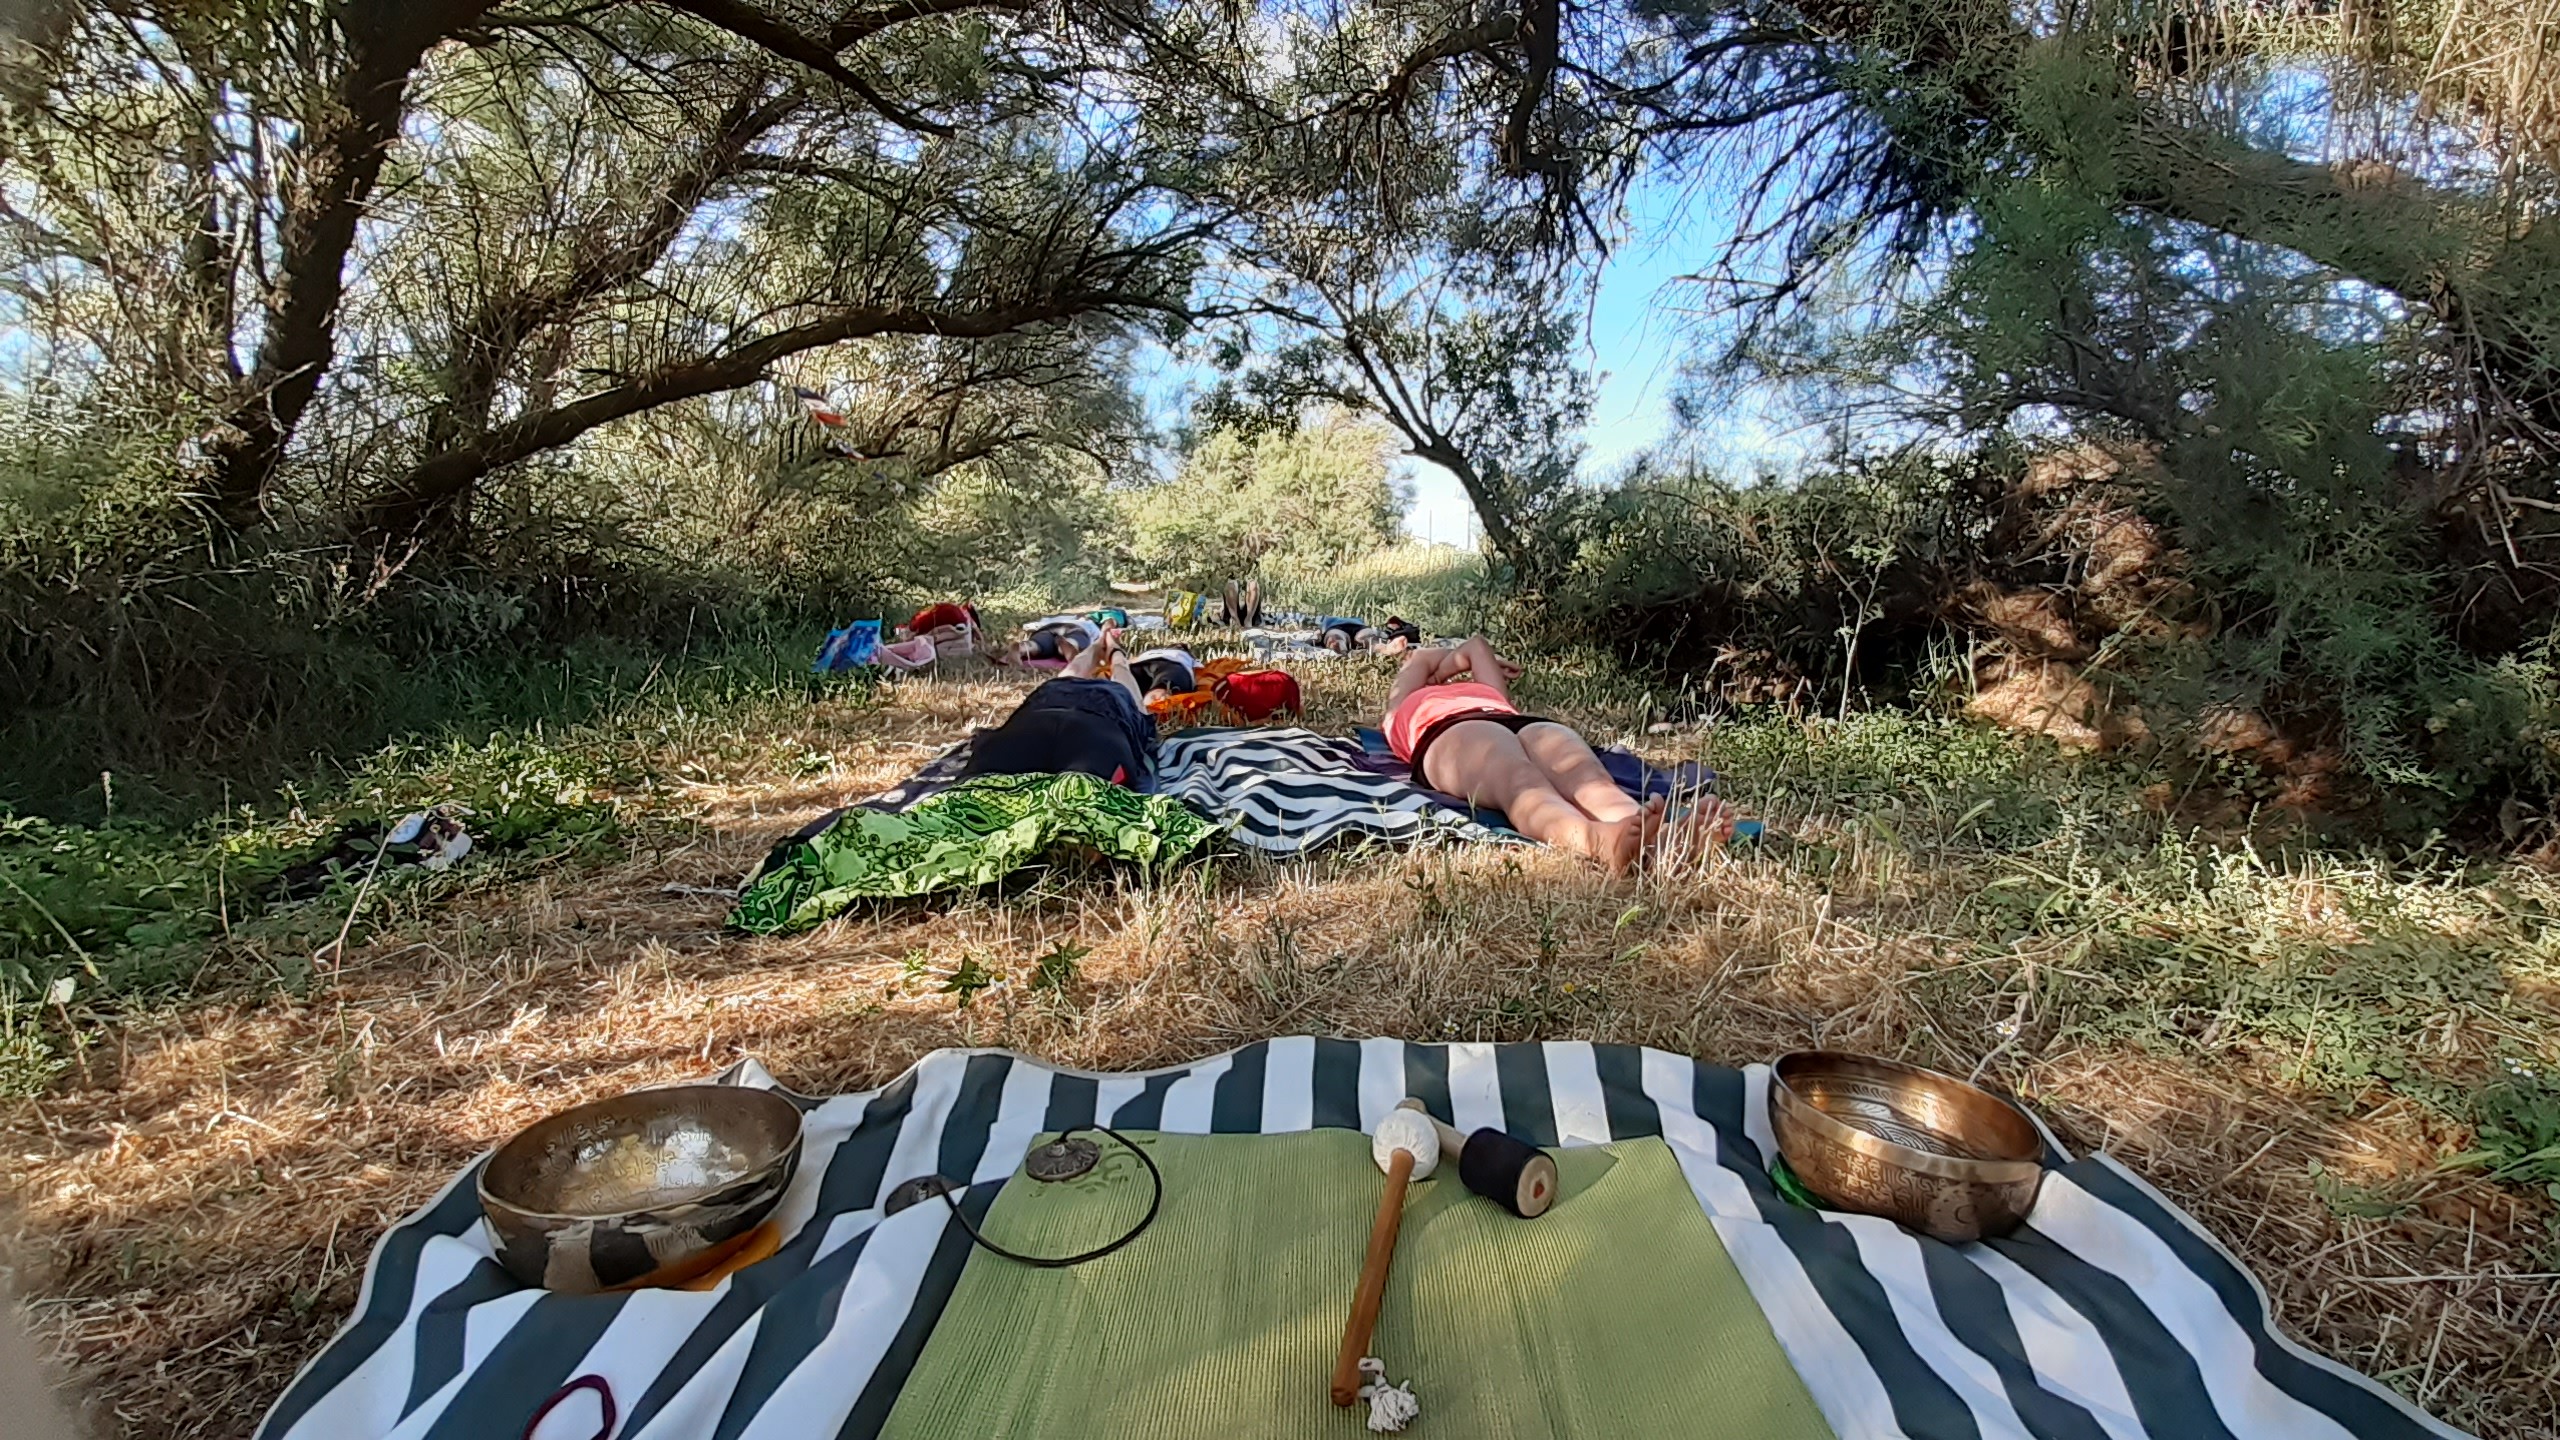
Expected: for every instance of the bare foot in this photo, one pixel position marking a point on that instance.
(1699, 828)
(1616, 845)
(1652, 821)
(1713, 818)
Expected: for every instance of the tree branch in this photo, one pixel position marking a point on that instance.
(1541, 24)
(488, 343)
(412, 503)
(759, 29)
(863, 24)
(1484, 35)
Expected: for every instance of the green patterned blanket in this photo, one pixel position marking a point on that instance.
(975, 833)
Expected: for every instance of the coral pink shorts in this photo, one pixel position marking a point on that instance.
(1434, 708)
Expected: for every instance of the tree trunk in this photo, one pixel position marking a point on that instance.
(1490, 508)
(336, 162)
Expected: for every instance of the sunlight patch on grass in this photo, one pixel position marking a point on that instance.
(1445, 590)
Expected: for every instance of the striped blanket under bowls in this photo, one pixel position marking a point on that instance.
(2110, 1316)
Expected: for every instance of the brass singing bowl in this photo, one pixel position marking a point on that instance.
(547, 1235)
(1950, 1160)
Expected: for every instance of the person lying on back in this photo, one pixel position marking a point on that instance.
(1343, 634)
(1076, 723)
(1165, 671)
(1451, 717)
(1058, 638)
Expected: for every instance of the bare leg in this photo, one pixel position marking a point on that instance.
(1575, 772)
(1086, 663)
(1485, 762)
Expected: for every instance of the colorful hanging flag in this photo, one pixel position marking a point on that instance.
(820, 408)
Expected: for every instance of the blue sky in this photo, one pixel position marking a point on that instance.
(1640, 330)
(1642, 325)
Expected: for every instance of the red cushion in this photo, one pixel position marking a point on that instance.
(1260, 694)
(934, 616)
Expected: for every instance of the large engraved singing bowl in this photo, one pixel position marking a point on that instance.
(539, 1192)
(1945, 1158)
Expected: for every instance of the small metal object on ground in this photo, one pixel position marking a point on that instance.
(915, 1191)
(1063, 1159)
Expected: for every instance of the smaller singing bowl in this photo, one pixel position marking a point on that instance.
(625, 1191)
(1950, 1160)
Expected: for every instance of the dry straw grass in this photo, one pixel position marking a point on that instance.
(195, 1215)
(2487, 62)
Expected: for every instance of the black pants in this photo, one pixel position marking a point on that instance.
(1069, 725)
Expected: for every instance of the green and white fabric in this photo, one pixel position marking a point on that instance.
(1224, 1316)
(974, 833)
(2111, 1316)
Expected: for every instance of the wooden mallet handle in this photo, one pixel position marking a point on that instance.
(1373, 1280)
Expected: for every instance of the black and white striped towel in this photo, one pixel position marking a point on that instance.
(1282, 792)
(1288, 791)
(2112, 1316)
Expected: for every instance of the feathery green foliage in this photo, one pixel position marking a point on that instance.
(1312, 496)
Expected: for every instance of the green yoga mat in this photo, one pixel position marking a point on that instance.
(1616, 1314)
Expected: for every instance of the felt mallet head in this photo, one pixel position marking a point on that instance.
(1406, 1147)
(1508, 1171)
(1411, 1132)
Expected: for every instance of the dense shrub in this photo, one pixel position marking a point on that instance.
(137, 643)
(1835, 582)
(2308, 633)
(1313, 496)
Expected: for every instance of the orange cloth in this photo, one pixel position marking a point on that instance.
(1182, 709)
(1210, 688)
(1433, 704)
(703, 1271)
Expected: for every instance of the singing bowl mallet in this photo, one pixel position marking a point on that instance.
(1407, 1147)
